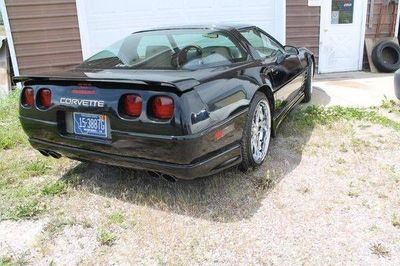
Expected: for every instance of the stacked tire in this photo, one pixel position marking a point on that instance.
(386, 56)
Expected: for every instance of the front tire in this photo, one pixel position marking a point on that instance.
(308, 85)
(257, 133)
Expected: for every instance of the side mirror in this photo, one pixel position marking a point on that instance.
(291, 50)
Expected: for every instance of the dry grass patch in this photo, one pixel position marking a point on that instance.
(396, 220)
(380, 250)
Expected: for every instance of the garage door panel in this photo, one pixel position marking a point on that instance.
(104, 22)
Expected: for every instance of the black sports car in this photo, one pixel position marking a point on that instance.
(181, 102)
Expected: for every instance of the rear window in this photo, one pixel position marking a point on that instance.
(169, 49)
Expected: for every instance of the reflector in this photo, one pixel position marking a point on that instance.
(132, 105)
(162, 107)
(45, 98)
(27, 97)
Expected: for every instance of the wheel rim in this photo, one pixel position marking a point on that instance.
(260, 131)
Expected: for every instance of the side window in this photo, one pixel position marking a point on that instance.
(264, 45)
(153, 45)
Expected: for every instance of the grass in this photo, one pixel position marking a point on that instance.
(27, 188)
(391, 106)
(11, 133)
(353, 194)
(56, 225)
(380, 250)
(315, 115)
(37, 167)
(396, 221)
(53, 188)
(24, 174)
(22, 185)
(340, 161)
(6, 261)
(106, 238)
(116, 218)
(28, 210)
(10, 261)
(264, 182)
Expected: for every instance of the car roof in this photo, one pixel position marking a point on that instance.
(223, 26)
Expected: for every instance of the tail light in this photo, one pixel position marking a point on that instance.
(162, 107)
(132, 105)
(27, 99)
(45, 98)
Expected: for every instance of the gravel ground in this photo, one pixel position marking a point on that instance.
(328, 196)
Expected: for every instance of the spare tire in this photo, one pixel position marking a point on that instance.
(386, 56)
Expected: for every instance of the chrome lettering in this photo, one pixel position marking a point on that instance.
(81, 102)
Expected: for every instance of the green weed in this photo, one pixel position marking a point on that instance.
(37, 168)
(11, 132)
(116, 218)
(106, 238)
(53, 188)
(26, 210)
(315, 115)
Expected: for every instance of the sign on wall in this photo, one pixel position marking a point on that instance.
(342, 11)
(314, 2)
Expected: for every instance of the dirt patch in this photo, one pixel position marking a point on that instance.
(18, 239)
(348, 83)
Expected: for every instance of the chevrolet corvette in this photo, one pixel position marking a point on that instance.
(178, 102)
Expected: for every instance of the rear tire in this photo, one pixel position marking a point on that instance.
(308, 85)
(257, 132)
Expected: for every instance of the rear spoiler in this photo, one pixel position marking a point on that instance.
(181, 85)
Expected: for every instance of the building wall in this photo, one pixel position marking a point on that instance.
(385, 28)
(302, 25)
(370, 32)
(45, 34)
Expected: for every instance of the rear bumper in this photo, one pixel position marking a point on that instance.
(184, 157)
(209, 165)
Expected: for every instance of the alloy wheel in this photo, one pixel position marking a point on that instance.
(261, 131)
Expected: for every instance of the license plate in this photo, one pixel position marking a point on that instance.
(90, 125)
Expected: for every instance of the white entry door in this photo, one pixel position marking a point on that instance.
(342, 35)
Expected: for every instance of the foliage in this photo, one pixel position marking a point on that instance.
(313, 115)
(106, 238)
(11, 132)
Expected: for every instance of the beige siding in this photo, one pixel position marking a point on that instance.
(45, 34)
(302, 25)
(385, 27)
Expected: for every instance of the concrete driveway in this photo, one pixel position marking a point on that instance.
(356, 89)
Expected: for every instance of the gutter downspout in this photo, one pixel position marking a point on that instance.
(10, 41)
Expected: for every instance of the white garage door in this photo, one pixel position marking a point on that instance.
(103, 22)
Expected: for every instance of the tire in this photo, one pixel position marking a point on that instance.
(308, 85)
(386, 56)
(249, 156)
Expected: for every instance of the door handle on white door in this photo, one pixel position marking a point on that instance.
(326, 30)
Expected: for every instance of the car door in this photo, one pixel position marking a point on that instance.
(281, 67)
